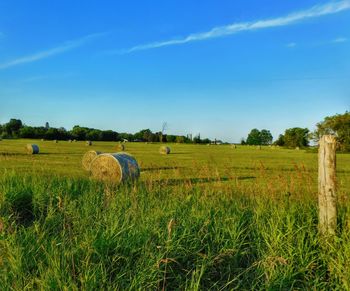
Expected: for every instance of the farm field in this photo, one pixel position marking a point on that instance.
(203, 217)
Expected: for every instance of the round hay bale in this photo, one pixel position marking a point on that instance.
(32, 149)
(117, 167)
(234, 146)
(55, 141)
(74, 140)
(120, 147)
(164, 150)
(88, 158)
(69, 140)
(297, 148)
(259, 147)
(89, 143)
(42, 139)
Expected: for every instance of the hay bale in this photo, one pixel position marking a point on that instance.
(89, 143)
(234, 146)
(74, 140)
(116, 168)
(32, 149)
(69, 140)
(42, 139)
(120, 147)
(259, 147)
(297, 148)
(55, 141)
(164, 150)
(88, 158)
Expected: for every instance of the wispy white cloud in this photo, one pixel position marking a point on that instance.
(67, 46)
(340, 39)
(291, 44)
(221, 31)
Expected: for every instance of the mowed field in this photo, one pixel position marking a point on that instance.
(186, 163)
(203, 217)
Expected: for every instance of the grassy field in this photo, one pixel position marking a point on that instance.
(203, 217)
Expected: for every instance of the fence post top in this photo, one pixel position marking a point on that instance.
(329, 138)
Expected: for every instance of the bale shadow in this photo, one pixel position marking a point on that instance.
(160, 168)
(62, 154)
(4, 154)
(175, 182)
(270, 169)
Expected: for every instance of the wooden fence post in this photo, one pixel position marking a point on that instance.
(327, 199)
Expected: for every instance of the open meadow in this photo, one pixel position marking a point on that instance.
(174, 145)
(203, 217)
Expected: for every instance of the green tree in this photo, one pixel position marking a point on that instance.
(254, 137)
(257, 137)
(180, 139)
(280, 140)
(147, 135)
(144, 135)
(93, 134)
(170, 138)
(62, 133)
(266, 137)
(52, 133)
(12, 127)
(27, 132)
(108, 135)
(197, 138)
(296, 137)
(127, 136)
(40, 131)
(79, 132)
(339, 125)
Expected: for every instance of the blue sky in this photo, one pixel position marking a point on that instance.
(219, 68)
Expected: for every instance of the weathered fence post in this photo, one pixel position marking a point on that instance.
(327, 200)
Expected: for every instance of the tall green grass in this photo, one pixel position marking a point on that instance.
(73, 233)
(201, 218)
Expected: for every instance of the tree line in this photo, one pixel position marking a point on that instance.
(16, 129)
(338, 125)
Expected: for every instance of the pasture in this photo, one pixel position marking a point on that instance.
(203, 217)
